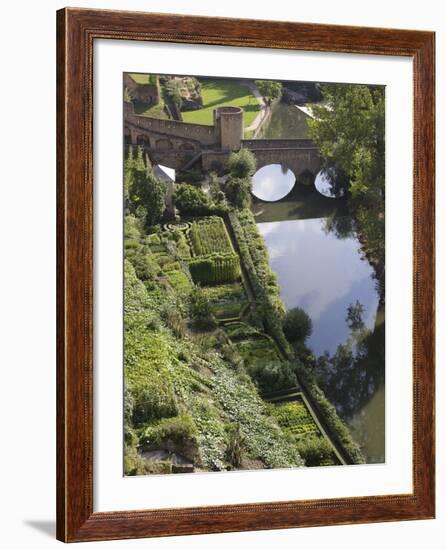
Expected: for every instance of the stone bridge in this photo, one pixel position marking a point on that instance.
(179, 144)
(299, 155)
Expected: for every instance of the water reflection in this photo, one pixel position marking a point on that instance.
(367, 426)
(328, 185)
(287, 122)
(320, 268)
(323, 274)
(272, 182)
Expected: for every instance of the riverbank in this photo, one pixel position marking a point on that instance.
(245, 229)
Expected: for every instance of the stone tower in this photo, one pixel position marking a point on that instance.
(228, 123)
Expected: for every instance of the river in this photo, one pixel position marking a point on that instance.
(287, 122)
(317, 257)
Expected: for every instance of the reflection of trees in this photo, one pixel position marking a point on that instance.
(353, 374)
(337, 182)
(340, 225)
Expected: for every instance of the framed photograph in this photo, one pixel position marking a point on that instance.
(245, 275)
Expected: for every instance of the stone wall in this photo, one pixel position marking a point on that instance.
(146, 93)
(276, 143)
(172, 159)
(175, 143)
(205, 135)
(214, 160)
(298, 160)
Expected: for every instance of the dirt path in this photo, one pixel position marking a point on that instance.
(264, 108)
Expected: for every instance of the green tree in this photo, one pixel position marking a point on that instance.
(297, 325)
(133, 165)
(270, 89)
(354, 318)
(242, 164)
(172, 91)
(238, 192)
(191, 200)
(144, 194)
(349, 129)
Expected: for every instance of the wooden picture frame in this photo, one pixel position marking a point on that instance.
(77, 29)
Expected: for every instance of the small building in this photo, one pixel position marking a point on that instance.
(164, 173)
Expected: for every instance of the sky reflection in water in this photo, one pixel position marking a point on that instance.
(272, 182)
(321, 273)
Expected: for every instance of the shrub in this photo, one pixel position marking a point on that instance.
(145, 266)
(315, 450)
(153, 397)
(174, 320)
(215, 268)
(242, 164)
(200, 309)
(191, 200)
(273, 376)
(234, 445)
(176, 435)
(179, 429)
(297, 325)
(338, 430)
(131, 228)
(238, 191)
(135, 464)
(191, 176)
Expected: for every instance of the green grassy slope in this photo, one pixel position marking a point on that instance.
(219, 92)
(184, 391)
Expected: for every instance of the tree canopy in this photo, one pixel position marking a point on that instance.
(270, 89)
(238, 192)
(191, 200)
(242, 164)
(349, 129)
(144, 194)
(297, 325)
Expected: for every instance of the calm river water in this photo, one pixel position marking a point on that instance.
(287, 122)
(317, 258)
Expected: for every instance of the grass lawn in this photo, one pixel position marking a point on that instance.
(143, 78)
(221, 92)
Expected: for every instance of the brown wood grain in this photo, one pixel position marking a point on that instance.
(76, 31)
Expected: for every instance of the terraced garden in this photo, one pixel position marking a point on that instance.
(298, 424)
(201, 350)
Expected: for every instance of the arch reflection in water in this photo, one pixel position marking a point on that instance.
(327, 185)
(272, 182)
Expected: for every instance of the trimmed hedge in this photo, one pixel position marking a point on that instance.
(334, 423)
(210, 235)
(215, 269)
(262, 279)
